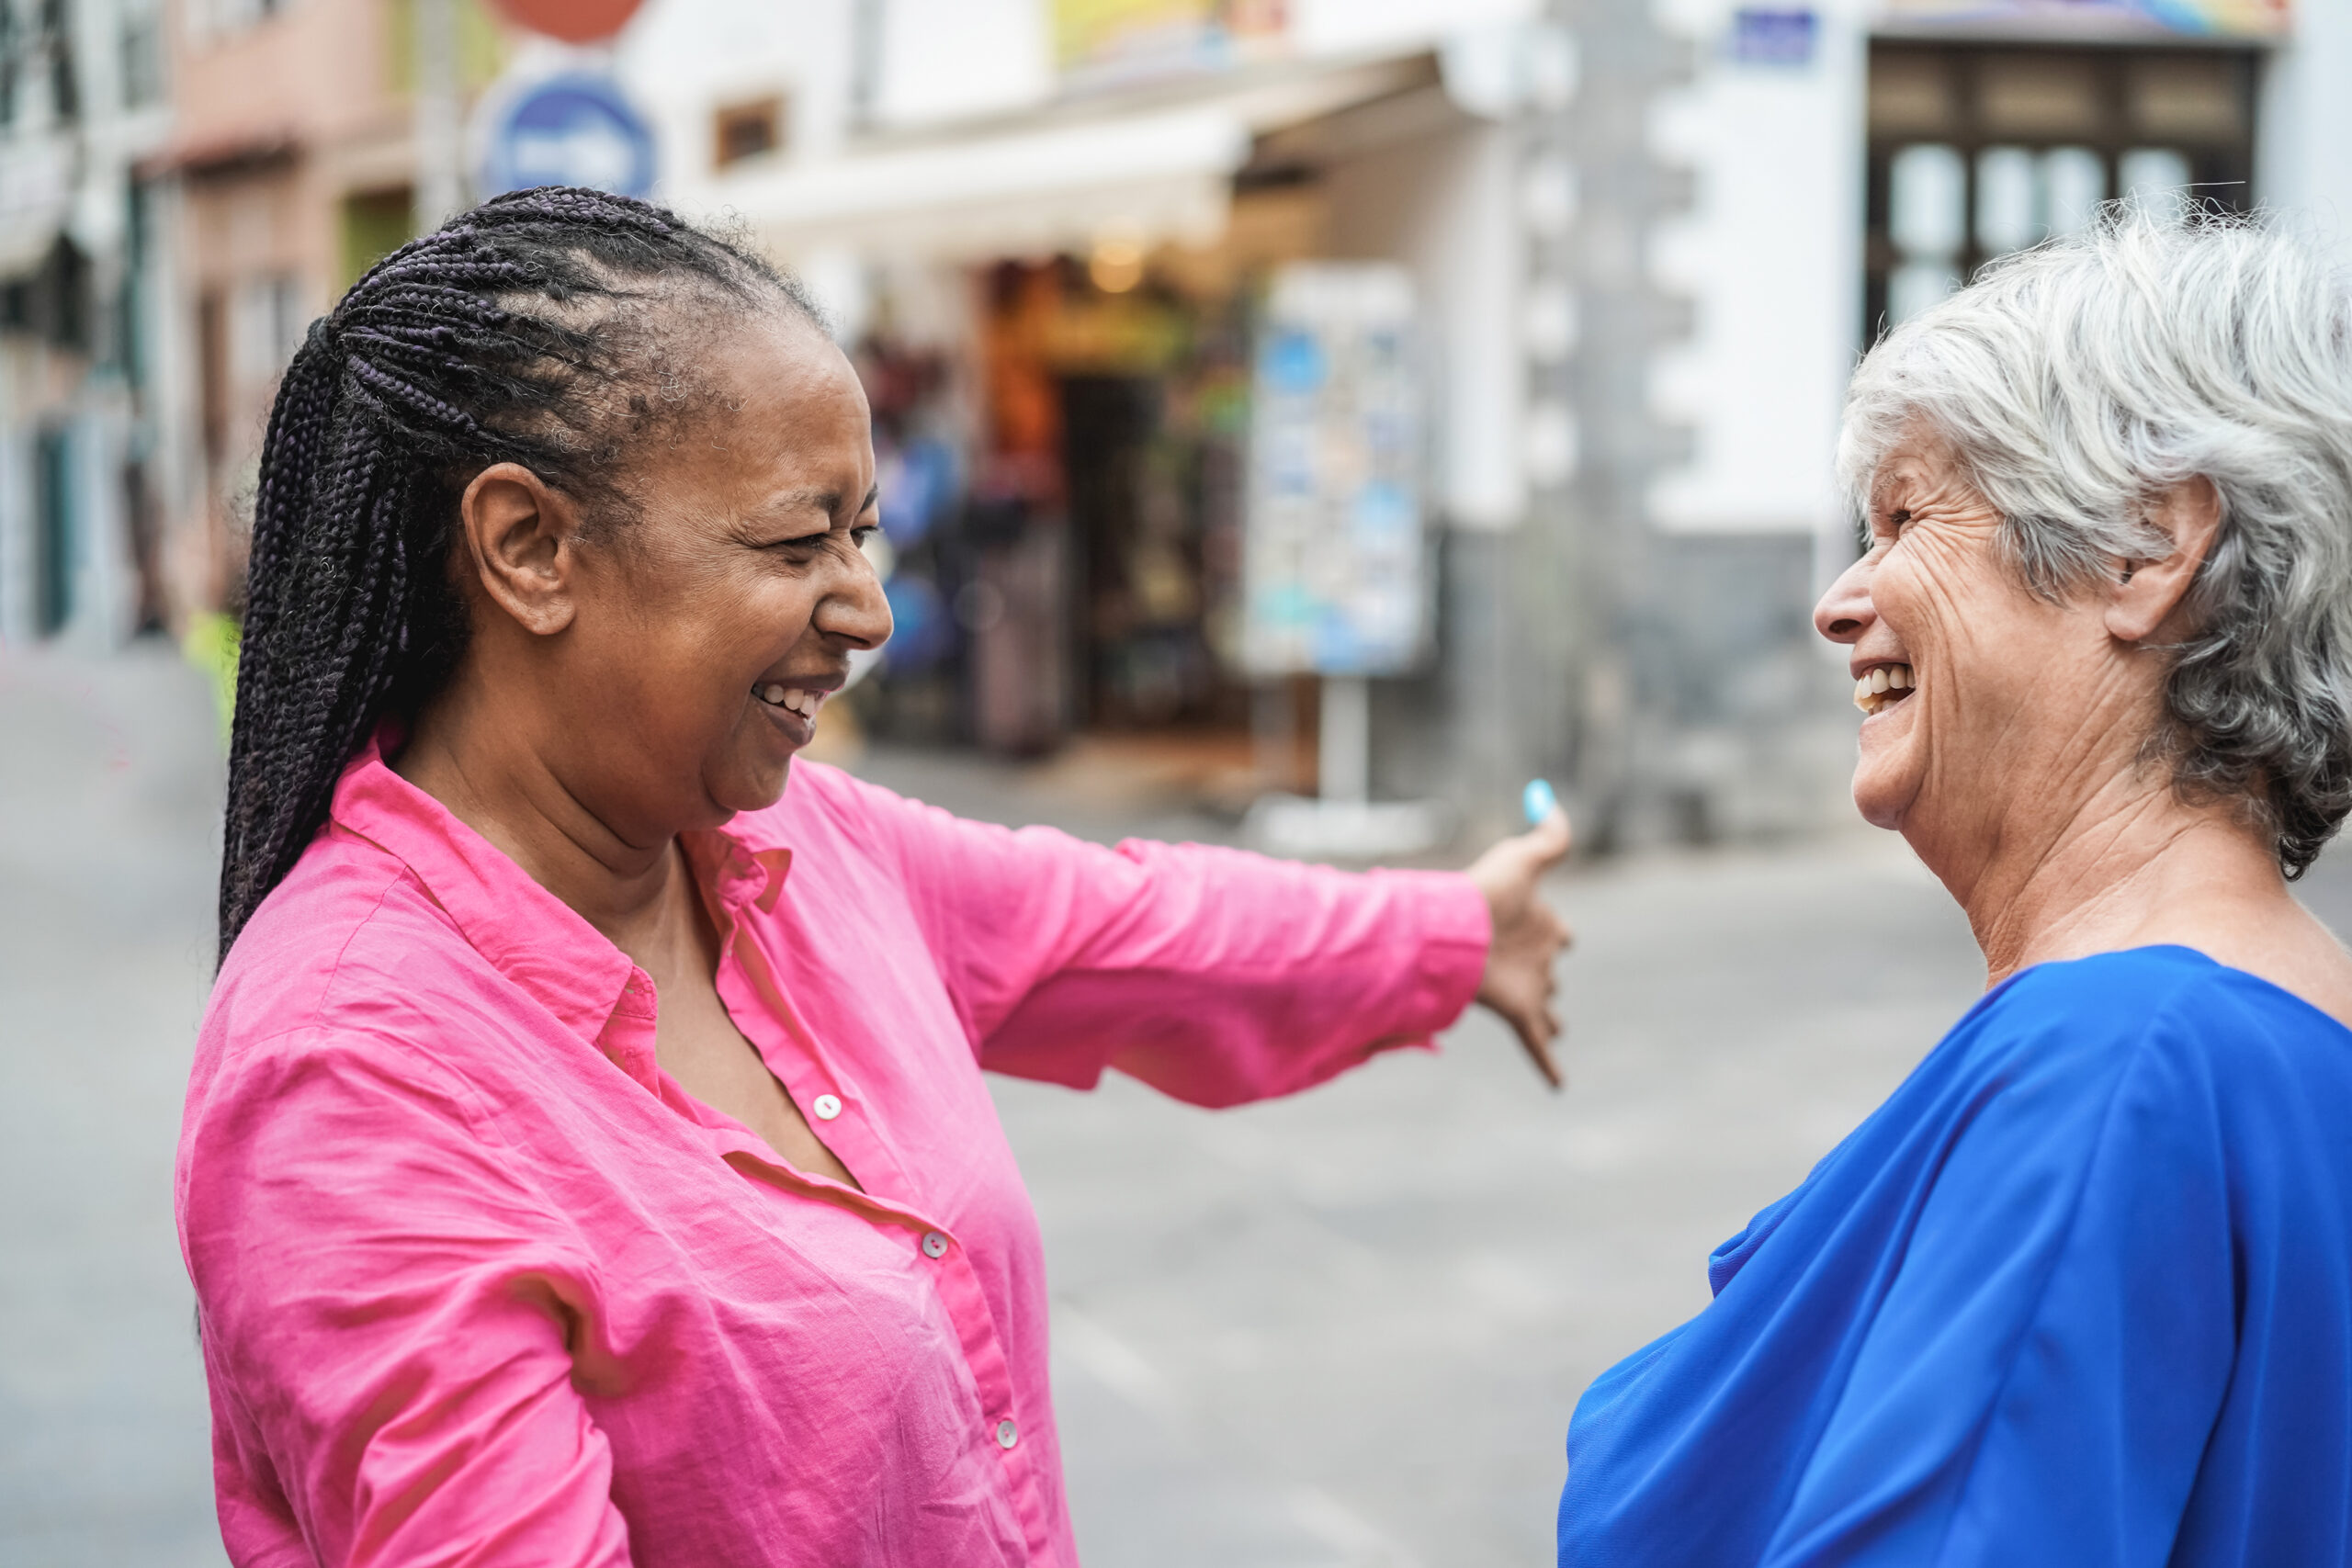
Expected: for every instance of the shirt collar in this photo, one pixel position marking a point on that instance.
(529, 935)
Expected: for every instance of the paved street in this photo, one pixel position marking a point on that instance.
(1345, 1329)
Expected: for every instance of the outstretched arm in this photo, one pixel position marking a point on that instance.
(1216, 975)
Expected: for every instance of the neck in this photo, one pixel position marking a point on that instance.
(490, 768)
(2129, 865)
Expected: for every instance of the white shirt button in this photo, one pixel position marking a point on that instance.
(826, 1107)
(1007, 1434)
(934, 1244)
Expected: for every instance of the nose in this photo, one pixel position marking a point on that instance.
(857, 611)
(1845, 612)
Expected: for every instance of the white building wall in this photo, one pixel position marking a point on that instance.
(1770, 258)
(2303, 146)
(681, 60)
(951, 60)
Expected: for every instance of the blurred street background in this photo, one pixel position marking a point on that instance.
(1342, 1329)
(1300, 422)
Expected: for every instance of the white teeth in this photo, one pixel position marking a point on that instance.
(1870, 691)
(795, 699)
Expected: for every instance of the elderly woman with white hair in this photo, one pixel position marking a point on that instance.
(2080, 1291)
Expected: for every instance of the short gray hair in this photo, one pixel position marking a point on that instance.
(2077, 381)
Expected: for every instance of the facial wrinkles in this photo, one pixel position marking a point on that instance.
(2026, 727)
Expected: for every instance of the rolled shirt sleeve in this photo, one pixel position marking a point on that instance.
(403, 1368)
(1215, 976)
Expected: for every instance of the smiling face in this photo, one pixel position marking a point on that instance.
(707, 630)
(1986, 704)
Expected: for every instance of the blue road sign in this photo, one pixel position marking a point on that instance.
(575, 129)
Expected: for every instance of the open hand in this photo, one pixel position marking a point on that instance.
(1527, 936)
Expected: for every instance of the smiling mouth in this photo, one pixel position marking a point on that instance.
(802, 700)
(1884, 686)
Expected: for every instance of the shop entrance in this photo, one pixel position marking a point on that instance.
(1144, 387)
(1145, 658)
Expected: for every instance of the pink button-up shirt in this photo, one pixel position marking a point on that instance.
(480, 1283)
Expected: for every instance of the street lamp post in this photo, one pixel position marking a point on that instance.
(440, 189)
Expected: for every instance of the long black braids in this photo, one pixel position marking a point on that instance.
(517, 332)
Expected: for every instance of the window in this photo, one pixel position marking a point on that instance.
(375, 224)
(52, 531)
(57, 44)
(1976, 151)
(211, 19)
(747, 130)
(265, 325)
(12, 62)
(143, 53)
(53, 302)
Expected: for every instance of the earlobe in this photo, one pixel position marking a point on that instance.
(518, 535)
(2148, 594)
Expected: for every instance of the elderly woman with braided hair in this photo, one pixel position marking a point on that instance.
(587, 1159)
(2080, 1293)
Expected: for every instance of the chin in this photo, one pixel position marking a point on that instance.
(1882, 794)
(756, 789)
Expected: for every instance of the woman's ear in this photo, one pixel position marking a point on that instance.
(2143, 594)
(518, 534)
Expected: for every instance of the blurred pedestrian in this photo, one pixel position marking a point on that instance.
(587, 1158)
(2080, 1291)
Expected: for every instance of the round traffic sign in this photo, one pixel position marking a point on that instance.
(573, 129)
(573, 21)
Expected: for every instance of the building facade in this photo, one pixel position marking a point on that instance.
(292, 166)
(82, 102)
(1643, 241)
(1648, 238)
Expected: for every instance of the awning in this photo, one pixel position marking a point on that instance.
(1153, 177)
(1056, 180)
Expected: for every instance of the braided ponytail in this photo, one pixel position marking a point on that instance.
(502, 337)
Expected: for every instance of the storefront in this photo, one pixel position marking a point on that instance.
(1060, 341)
(1993, 127)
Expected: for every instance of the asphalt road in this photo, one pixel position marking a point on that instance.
(1342, 1329)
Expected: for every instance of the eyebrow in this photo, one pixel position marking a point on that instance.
(828, 501)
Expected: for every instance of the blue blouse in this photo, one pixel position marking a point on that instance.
(2078, 1293)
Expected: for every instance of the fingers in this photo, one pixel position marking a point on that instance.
(1551, 839)
(1535, 1037)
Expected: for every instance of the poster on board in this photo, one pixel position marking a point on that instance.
(1332, 555)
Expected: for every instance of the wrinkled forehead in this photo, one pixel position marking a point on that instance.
(774, 408)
